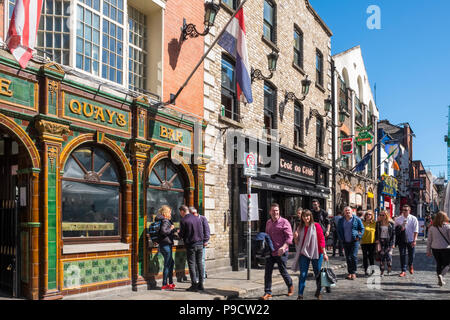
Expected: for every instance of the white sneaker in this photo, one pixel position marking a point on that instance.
(440, 281)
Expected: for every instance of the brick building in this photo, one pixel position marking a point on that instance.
(294, 31)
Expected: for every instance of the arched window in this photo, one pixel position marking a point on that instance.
(165, 186)
(91, 196)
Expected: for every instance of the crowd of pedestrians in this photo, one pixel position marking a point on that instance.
(377, 236)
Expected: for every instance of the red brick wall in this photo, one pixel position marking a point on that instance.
(181, 58)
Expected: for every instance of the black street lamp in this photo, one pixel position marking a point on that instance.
(211, 10)
(306, 83)
(272, 59)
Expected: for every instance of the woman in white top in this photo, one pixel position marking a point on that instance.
(439, 244)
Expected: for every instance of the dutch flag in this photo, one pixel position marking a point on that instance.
(233, 41)
(22, 33)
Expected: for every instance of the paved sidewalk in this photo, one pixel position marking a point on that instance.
(222, 286)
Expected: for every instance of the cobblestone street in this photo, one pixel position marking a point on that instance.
(422, 285)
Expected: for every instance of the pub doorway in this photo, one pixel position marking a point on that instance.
(9, 193)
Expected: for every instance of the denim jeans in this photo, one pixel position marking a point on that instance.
(194, 259)
(303, 263)
(351, 255)
(204, 266)
(270, 262)
(403, 247)
(169, 263)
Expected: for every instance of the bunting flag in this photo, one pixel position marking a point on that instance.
(22, 33)
(395, 166)
(234, 42)
(364, 161)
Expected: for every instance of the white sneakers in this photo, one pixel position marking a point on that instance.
(440, 281)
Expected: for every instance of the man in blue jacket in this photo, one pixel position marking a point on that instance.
(191, 231)
(350, 231)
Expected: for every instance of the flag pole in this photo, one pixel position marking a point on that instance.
(172, 99)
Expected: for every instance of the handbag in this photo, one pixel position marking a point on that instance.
(327, 276)
(448, 243)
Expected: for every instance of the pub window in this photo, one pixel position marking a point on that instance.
(298, 124)
(231, 3)
(165, 186)
(298, 47)
(270, 98)
(137, 25)
(269, 20)
(358, 153)
(319, 68)
(319, 136)
(91, 196)
(229, 99)
(345, 159)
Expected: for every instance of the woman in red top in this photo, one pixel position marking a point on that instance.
(310, 244)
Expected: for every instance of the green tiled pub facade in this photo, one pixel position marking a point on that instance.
(89, 170)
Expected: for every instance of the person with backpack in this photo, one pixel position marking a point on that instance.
(310, 245)
(165, 241)
(438, 244)
(191, 231)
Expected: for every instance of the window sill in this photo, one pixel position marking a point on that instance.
(230, 122)
(298, 68)
(301, 149)
(272, 45)
(319, 86)
(95, 247)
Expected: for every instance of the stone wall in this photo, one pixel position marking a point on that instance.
(218, 191)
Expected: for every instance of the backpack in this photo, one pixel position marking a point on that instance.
(153, 231)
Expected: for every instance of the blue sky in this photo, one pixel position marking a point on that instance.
(408, 59)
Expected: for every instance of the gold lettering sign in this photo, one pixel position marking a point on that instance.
(170, 134)
(97, 113)
(87, 226)
(4, 87)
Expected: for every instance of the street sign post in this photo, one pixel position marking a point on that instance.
(250, 170)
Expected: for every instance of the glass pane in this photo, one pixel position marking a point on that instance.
(160, 169)
(154, 181)
(157, 198)
(89, 210)
(85, 157)
(72, 169)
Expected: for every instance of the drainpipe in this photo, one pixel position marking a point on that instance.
(334, 128)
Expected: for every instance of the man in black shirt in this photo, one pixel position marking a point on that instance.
(321, 216)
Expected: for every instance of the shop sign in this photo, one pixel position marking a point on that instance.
(296, 168)
(18, 92)
(364, 137)
(250, 165)
(87, 226)
(389, 185)
(88, 111)
(347, 146)
(288, 189)
(417, 184)
(170, 134)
